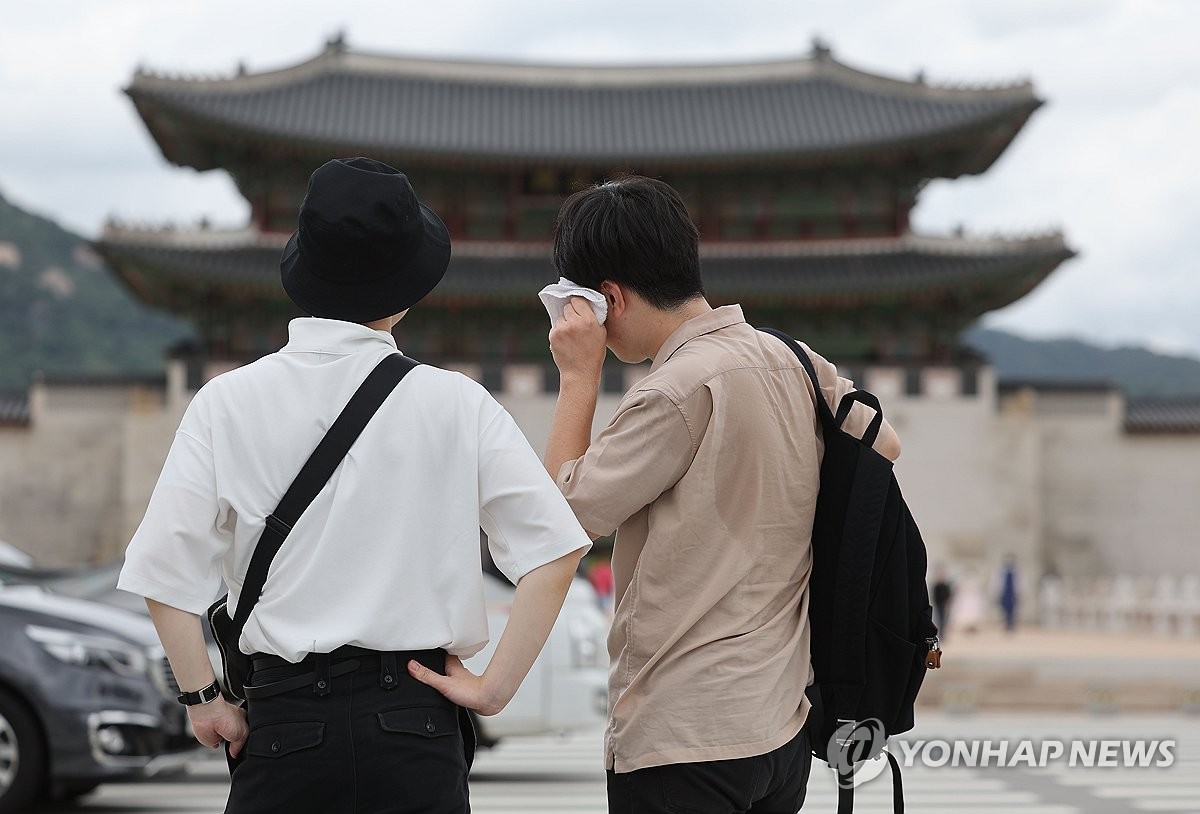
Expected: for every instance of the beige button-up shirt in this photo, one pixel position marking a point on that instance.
(709, 473)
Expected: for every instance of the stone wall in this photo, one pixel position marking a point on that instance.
(1051, 478)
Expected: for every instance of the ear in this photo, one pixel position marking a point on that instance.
(615, 296)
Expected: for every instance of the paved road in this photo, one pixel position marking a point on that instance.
(546, 775)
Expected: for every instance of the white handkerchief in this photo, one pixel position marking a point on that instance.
(555, 298)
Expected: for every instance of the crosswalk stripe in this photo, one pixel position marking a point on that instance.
(1192, 790)
(1150, 778)
(1181, 804)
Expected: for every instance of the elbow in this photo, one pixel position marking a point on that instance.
(889, 446)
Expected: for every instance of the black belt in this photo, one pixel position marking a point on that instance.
(318, 669)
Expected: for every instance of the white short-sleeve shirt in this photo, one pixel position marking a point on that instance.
(387, 557)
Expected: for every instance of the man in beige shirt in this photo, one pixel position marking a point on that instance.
(708, 472)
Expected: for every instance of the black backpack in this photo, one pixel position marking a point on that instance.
(869, 608)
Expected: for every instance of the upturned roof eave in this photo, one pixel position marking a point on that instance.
(216, 131)
(996, 271)
(338, 60)
(182, 98)
(115, 236)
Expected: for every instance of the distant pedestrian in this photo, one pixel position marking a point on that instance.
(600, 575)
(969, 604)
(1008, 593)
(943, 595)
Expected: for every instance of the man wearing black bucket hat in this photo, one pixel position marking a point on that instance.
(376, 593)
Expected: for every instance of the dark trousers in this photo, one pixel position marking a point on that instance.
(351, 734)
(773, 783)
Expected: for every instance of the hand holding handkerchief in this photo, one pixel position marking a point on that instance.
(555, 297)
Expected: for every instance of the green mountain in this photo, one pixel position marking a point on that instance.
(62, 312)
(1137, 371)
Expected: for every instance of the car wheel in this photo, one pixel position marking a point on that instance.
(22, 755)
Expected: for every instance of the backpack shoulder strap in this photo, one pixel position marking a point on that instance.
(828, 421)
(315, 473)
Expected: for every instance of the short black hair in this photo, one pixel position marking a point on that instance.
(635, 231)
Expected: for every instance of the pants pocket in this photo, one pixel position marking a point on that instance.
(428, 743)
(425, 722)
(283, 739)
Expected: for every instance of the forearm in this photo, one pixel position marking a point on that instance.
(571, 427)
(183, 639)
(539, 598)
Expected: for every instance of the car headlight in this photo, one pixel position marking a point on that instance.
(84, 650)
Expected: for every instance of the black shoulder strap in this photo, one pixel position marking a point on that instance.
(315, 474)
(828, 421)
(845, 803)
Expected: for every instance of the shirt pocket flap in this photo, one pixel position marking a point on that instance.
(277, 740)
(428, 722)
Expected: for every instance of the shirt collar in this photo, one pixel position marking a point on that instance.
(706, 323)
(314, 335)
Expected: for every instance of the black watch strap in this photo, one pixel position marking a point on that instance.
(204, 695)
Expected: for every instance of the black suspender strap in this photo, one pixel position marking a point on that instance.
(317, 471)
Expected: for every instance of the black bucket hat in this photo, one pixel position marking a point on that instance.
(366, 248)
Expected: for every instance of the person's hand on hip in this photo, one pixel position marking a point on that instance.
(459, 685)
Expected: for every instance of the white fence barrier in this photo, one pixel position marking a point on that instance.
(1166, 606)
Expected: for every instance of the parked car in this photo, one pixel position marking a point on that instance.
(85, 696)
(567, 687)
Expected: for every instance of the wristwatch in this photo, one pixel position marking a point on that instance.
(933, 643)
(204, 695)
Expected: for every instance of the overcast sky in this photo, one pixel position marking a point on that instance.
(1112, 158)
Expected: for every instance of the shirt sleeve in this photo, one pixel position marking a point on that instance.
(643, 452)
(174, 557)
(833, 387)
(527, 521)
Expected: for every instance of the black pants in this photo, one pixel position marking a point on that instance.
(773, 783)
(358, 735)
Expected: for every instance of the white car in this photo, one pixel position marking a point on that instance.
(567, 687)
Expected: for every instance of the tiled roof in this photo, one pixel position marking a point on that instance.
(14, 411)
(1179, 414)
(344, 101)
(818, 272)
